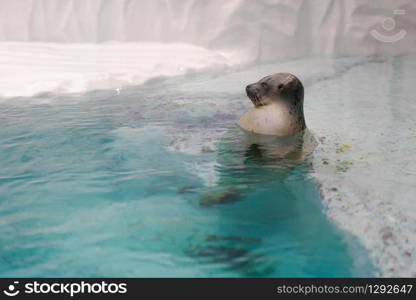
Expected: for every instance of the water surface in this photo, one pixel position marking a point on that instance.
(101, 184)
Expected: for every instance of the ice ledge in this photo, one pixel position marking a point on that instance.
(31, 68)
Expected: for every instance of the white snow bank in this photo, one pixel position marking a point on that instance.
(30, 68)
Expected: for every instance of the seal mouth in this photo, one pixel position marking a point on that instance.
(254, 95)
(256, 99)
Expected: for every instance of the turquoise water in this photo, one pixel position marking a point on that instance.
(89, 187)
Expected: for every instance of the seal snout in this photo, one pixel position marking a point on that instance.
(253, 92)
(250, 90)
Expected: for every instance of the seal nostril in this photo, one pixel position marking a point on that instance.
(249, 90)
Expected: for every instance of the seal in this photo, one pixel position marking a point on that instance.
(278, 106)
(271, 140)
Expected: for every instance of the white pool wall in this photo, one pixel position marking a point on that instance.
(242, 29)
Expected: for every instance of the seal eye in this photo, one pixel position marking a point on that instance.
(264, 85)
(280, 86)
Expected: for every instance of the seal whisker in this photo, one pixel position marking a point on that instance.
(260, 101)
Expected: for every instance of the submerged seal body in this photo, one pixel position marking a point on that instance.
(278, 106)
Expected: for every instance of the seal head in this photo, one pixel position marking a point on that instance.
(278, 106)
